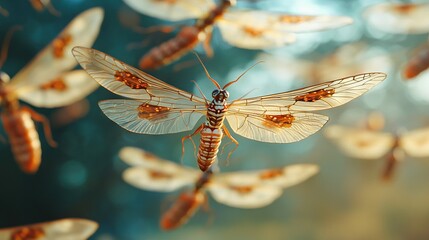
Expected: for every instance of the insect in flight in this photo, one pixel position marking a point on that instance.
(371, 144)
(398, 18)
(69, 228)
(159, 108)
(247, 189)
(250, 29)
(45, 82)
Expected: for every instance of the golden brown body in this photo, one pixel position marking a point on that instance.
(23, 138)
(187, 38)
(181, 210)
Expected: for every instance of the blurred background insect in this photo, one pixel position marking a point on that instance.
(250, 29)
(41, 5)
(159, 108)
(372, 143)
(45, 82)
(398, 18)
(69, 228)
(248, 189)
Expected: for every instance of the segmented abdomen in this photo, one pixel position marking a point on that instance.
(417, 64)
(171, 50)
(181, 210)
(209, 147)
(24, 139)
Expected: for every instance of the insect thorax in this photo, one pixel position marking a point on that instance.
(216, 113)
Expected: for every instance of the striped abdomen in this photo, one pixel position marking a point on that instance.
(24, 139)
(173, 49)
(181, 210)
(417, 64)
(211, 136)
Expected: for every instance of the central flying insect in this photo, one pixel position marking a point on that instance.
(159, 108)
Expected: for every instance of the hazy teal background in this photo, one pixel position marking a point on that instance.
(82, 177)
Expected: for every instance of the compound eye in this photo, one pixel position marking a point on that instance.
(226, 94)
(215, 93)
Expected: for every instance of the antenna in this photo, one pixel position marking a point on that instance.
(6, 43)
(207, 73)
(236, 80)
(201, 92)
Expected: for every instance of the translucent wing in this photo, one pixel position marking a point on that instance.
(258, 188)
(56, 57)
(245, 196)
(416, 142)
(152, 173)
(284, 128)
(140, 117)
(282, 177)
(284, 22)
(317, 97)
(161, 105)
(61, 90)
(172, 10)
(65, 229)
(252, 30)
(360, 143)
(399, 18)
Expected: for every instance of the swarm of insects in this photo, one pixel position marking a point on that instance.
(250, 29)
(45, 82)
(159, 108)
(251, 189)
(70, 228)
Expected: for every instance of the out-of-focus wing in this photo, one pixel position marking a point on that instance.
(61, 90)
(244, 196)
(399, 18)
(262, 29)
(56, 58)
(255, 189)
(283, 177)
(244, 29)
(162, 108)
(360, 143)
(416, 142)
(172, 10)
(152, 173)
(313, 98)
(64, 229)
(284, 128)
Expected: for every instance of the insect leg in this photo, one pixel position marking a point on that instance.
(198, 130)
(225, 130)
(46, 128)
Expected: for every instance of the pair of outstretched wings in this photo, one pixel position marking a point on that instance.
(46, 81)
(159, 108)
(238, 189)
(251, 29)
(398, 18)
(66, 229)
(365, 144)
